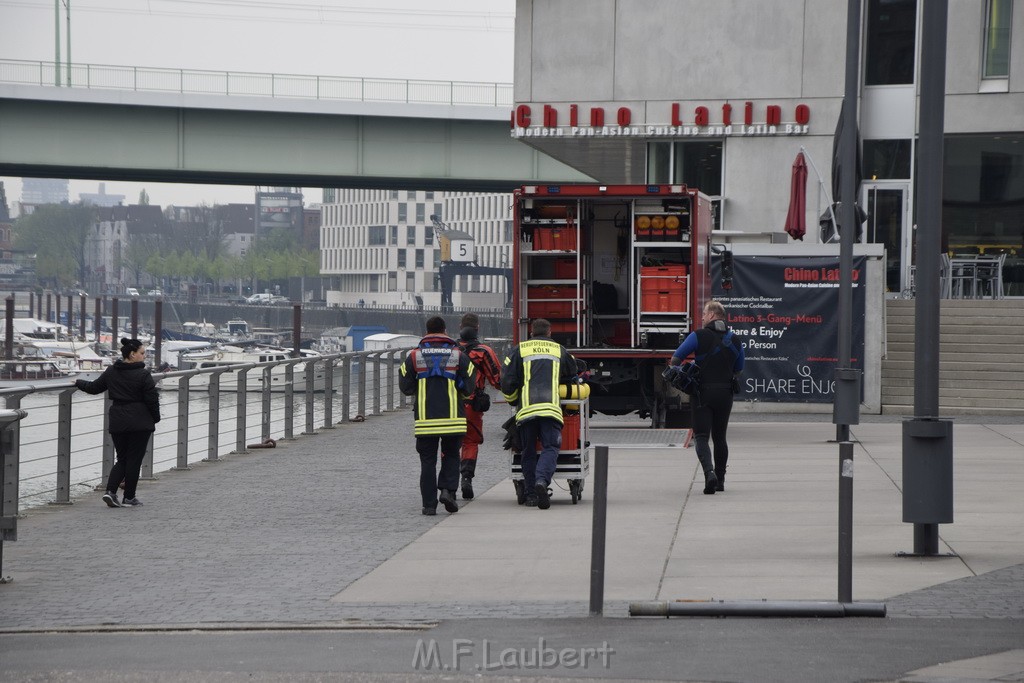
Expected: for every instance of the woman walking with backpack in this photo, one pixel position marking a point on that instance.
(134, 412)
(719, 355)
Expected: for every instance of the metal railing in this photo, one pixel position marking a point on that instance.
(253, 84)
(270, 400)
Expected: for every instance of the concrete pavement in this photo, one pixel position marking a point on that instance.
(325, 533)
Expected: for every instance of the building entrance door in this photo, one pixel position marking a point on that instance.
(887, 206)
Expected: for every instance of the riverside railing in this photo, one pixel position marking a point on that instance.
(70, 435)
(255, 84)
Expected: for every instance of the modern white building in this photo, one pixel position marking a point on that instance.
(378, 248)
(723, 95)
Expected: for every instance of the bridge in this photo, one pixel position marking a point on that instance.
(222, 127)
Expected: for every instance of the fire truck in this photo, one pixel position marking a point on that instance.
(622, 273)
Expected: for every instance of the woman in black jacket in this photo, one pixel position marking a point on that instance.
(134, 412)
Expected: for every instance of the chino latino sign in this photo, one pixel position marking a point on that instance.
(784, 311)
(574, 120)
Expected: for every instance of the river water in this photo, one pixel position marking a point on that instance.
(38, 460)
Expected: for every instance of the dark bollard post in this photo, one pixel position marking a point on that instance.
(114, 338)
(9, 328)
(296, 330)
(135, 317)
(81, 319)
(31, 303)
(846, 521)
(56, 310)
(64, 448)
(597, 534)
(97, 318)
(49, 306)
(158, 332)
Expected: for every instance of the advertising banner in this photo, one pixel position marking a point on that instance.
(785, 309)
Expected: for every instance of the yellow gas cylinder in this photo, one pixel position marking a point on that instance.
(573, 391)
(672, 222)
(643, 222)
(658, 222)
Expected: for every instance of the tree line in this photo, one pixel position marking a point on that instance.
(191, 253)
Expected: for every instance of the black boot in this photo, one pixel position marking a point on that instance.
(704, 457)
(720, 485)
(468, 469)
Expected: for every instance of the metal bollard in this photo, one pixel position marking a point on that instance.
(598, 531)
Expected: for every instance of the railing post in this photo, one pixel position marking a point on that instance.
(240, 410)
(146, 471)
(183, 402)
(391, 380)
(64, 448)
(309, 372)
(108, 444)
(289, 401)
(377, 377)
(265, 429)
(329, 393)
(10, 437)
(318, 87)
(213, 423)
(346, 390)
(364, 369)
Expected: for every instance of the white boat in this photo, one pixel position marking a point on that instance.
(36, 372)
(72, 356)
(227, 355)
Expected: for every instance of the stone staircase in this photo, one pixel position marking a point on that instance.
(981, 369)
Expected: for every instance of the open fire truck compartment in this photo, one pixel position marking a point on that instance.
(622, 273)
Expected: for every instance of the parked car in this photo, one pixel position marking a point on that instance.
(131, 291)
(154, 293)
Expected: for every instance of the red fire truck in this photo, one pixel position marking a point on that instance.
(622, 272)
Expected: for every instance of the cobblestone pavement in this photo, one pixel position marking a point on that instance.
(270, 536)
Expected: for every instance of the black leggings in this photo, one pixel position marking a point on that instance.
(131, 450)
(711, 419)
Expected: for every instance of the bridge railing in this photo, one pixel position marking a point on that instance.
(255, 84)
(62, 445)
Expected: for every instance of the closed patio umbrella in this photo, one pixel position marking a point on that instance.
(796, 219)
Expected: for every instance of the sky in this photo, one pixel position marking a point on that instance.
(461, 40)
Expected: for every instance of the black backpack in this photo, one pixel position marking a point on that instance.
(686, 377)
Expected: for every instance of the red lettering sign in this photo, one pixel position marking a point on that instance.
(523, 115)
(701, 117)
(623, 116)
(597, 116)
(550, 116)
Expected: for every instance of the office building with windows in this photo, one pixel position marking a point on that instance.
(381, 247)
(722, 97)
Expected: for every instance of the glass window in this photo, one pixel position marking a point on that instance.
(419, 258)
(889, 43)
(699, 164)
(410, 194)
(403, 212)
(401, 258)
(886, 159)
(376, 235)
(983, 201)
(410, 234)
(696, 164)
(659, 162)
(997, 38)
(394, 234)
(428, 236)
(421, 210)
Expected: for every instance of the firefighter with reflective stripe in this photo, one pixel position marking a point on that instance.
(530, 382)
(440, 376)
(488, 371)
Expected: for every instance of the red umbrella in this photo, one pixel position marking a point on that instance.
(796, 219)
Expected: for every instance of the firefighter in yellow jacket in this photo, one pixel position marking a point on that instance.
(440, 376)
(529, 381)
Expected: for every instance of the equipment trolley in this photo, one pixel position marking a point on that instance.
(573, 463)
